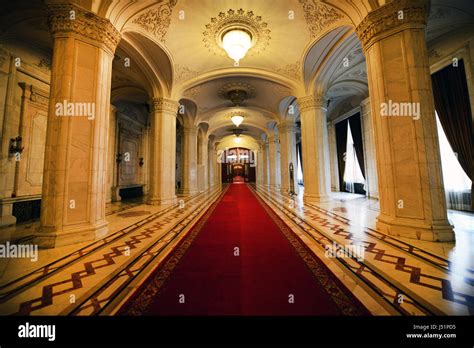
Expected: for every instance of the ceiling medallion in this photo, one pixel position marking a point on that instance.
(236, 32)
(236, 92)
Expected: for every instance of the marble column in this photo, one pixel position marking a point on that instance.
(202, 166)
(411, 192)
(274, 170)
(210, 164)
(190, 180)
(265, 171)
(75, 169)
(111, 155)
(370, 160)
(287, 132)
(259, 166)
(333, 157)
(162, 151)
(315, 148)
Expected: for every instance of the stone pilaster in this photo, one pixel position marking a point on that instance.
(75, 174)
(314, 144)
(274, 162)
(111, 153)
(190, 180)
(287, 133)
(411, 193)
(333, 157)
(370, 157)
(162, 151)
(202, 165)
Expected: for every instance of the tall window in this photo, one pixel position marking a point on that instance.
(352, 172)
(457, 184)
(299, 171)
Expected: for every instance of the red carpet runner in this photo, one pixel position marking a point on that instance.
(205, 273)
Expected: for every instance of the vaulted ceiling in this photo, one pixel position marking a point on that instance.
(305, 47)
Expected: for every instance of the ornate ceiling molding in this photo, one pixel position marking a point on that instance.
(231, 19)
(182, 73)
(319, 16)
(157, 20)
(291, 70)
(223, 92)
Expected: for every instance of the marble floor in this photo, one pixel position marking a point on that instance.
(395, 276)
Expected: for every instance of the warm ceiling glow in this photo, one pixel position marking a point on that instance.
(237, 140)
(236, 43)
(237, 120)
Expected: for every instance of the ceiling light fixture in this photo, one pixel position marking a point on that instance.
(236, 42)
(237, 140)
(237, 120)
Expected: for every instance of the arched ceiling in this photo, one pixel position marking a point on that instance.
(173, 54)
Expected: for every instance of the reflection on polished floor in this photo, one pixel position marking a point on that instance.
(396, 276)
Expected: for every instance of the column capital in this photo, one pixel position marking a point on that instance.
(190, 129)
(393, 17)
(312, 102)
(70, 20)
(159, 104)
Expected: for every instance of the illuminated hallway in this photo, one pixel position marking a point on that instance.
(125, 123)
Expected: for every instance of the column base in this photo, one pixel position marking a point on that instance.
(432, 233)
(116, 194)
(189, 192)
(316, 198)
(47, 237)
(7, 220)
(162, 201)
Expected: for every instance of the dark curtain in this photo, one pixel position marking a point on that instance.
(298, 148)
(452, 103)
(356, 130)
(341, 140)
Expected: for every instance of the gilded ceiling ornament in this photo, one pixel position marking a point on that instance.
(224, 91)
(291, 70)
(319, 16)
(157, 20)
(232, 19)
(182, 73)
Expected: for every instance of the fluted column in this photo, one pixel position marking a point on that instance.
(411, 192)
(112, 146)
(315, 148)
(202, 166)
(370, 156)
(265, 166)
(259, 166)
(333, 157)
(75, 170)
(274, 163)
(287, 132)
(210, 165)
(162, 151)
(190, 180)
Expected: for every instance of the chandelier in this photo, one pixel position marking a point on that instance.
(237, 120)
(236, 42)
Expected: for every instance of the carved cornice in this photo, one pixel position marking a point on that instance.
(393, 17)
(164, 105)
(66, 20)
(312, 102)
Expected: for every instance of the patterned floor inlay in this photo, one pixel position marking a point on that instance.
(415, 281)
